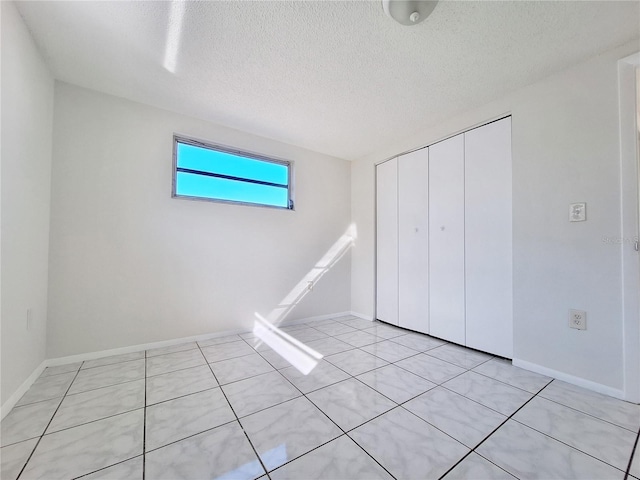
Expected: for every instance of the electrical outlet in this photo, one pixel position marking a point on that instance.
(578, 319)
(29, 318)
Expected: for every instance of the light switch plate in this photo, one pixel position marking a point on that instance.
(577, 212)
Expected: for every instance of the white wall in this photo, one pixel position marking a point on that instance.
(27, 115)
(130, 265)
(565, 149)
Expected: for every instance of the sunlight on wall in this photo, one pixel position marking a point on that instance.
(266, 329)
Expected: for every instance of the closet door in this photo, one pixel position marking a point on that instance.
(387, 241)
(488, 250)
(413, 240)
(446, 240)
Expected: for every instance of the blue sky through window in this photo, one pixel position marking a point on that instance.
(212, 161)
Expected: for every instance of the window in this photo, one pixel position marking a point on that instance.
(212, 172)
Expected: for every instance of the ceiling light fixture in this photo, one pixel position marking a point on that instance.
(408, 12)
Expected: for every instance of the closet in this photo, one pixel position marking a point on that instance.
(444, 239)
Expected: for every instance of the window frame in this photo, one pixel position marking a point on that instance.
(177, 138)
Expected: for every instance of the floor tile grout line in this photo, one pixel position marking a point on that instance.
(144, 423)
(190, 436)
(568, 445)
(93, 421)
(236, 416)
(104, 468)
(345, 432)
(45, 428)
(325, 414)
(490, 434)
(633, 451)
(583, 412)
(105, 386)
(87, 369)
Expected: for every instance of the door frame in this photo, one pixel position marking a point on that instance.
(630, 220)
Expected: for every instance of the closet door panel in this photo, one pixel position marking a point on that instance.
(488, 249)
(413, 229)
(446, 240)
(387, 241)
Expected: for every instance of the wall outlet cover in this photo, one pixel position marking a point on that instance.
(578, 319)
(577, 212)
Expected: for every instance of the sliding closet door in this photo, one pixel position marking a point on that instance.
(387, 241)
(446, 240)
(413, 230)
(488, 250)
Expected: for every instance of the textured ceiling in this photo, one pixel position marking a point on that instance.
(337, 77)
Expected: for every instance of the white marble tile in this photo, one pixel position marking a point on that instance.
(504, 371)
(297, 326)
(433, 369)
(46, 388)
(308, 334)
(359, 323)
(113, 359)
(355, 362)
(219, 340)
(247, 335)
(418, 341)
(98, 377)
(460, 356)
(489, 392)
(185, 416)
(23, 423)
(87, 448)
(177, 384)
(276, 360)
(225, 351)
(329, 346)
(324, 374)
(339, 459)
(335, 328)
(221, 453)
(96, 404)
(474, 467)
(172, 362)
(235, 369)
(286, 431)
(14, 457)
(58, 369)
(257, 393)
(359, 338)
(258, 345)
(463, 419)
(180, 347)
(407, 446)
(385, 331)
(525, 453)
(127, 470)
(396, 383)
(623, 414)
(350, 403)
(389, 351)
(603, 440)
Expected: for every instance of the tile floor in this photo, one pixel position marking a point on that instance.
(383, 403)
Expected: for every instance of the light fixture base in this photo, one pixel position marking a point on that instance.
(408, 12)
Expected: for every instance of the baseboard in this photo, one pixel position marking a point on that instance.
(81, 357)
(22, 389)
(362, 316)
(167, 343)
(565, 377)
